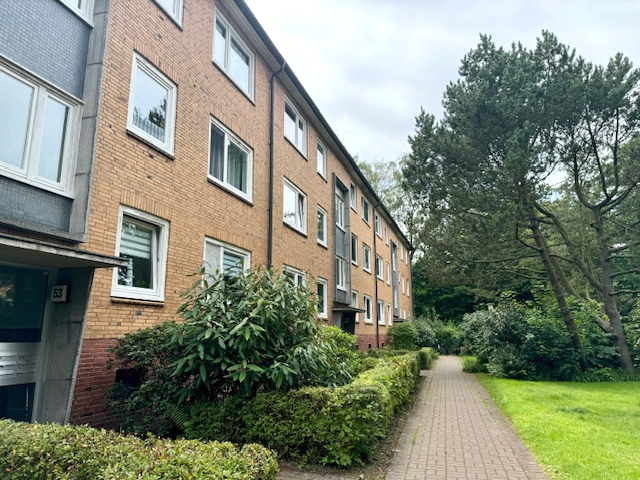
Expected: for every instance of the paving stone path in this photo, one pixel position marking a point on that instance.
(454, 432)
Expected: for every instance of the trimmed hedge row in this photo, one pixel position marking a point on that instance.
(38, 451)
(320, 425)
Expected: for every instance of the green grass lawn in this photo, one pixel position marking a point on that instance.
(578, 431)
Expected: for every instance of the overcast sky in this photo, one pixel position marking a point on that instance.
(370, 65)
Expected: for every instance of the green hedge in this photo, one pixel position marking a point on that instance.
(426, 357)
(338, 426)
(36, 451)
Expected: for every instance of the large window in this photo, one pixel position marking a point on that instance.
(354, 302)
(380, 312)
(353, 197)
(152, 105)
(322, 226)
(142, 240)
(233, 56)
(230, 161)
(322, 298)
(368, 307)
(389, 316)
(340, 273)
(339, 213)
(365, 209)
(378, 225)
(366, 258)
(298, 277)
(354, 249)
(173, 8)
(222, 257)
(321, 160)
(38, 133)
(379, 267)
(295, 128)
(294, 208)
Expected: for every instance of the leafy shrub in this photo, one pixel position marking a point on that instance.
(34, 452)
(145, 400)
(426, 357)
(343, 360)
(448, 337)
(317, 424)
(471, 365)
(402, 336)
(425, 331)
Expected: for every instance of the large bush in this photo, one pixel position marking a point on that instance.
(35, 452)
(402, 336)
(317, 424)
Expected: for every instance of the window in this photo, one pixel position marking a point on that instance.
(294, 210)
(82, 7)
(322, 226)
(380, 312)
(219, 256)
(298, 277)
(365, 209)
(339, 212)
(389, 316)
(233, 56)
(366, 258)
(354, 303)
(340, 273)
(386, 234)
(354, 249)
(321, 159)
(152, 105)
(404, 313)
(353, 197)
(230, 161)
(402, 282)
(379, 267)
(173, 8)
(388, 274)
(322, 298)
(38, 133)
(142, 240)
(408, 288)
(295, 128)
(367, 309)
(377, 223)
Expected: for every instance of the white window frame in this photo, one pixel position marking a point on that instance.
(408, 288)
(232, 36)
(339, 212)
(85, 10)
(225, 247)
(388, 274)
(402, 282)
(299, 196)
(353, 197)
(379, 267)
(366, 257)
(404, 313)
(386, 234)
(323, 212)
(380, 311)
(323, 313)
(354, 251)
(366, 214)
(176, 12)
(231, 138)
(341, 273)
(377, 222)
(355, 303)
(28, 173)
(139, 62)
(160, 247)
(322, 168)
(368, 309)
(299, 276)
(300, 139)
(389, 315)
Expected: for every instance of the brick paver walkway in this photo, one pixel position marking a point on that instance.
(454, 432)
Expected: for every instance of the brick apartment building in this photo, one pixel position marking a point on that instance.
(145, 137)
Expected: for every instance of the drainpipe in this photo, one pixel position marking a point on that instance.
(271, 168)
(375, 275)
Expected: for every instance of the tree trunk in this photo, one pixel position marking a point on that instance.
(557, 290)
(608, 294)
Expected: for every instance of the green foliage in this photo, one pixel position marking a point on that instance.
(148, 355)
(426, 357)
(448, 337)
(338, 426)
(471, 365)
(426, 334)
(342, 360)
(245, 331)
(34, 452)
(402, 336)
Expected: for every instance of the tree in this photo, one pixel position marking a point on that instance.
(513, 119)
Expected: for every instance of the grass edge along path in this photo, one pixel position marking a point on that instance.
(576, 431)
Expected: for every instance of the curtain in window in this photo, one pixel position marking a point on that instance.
(136, 244)
(237, 167)
(216, 162)
(232, 264)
